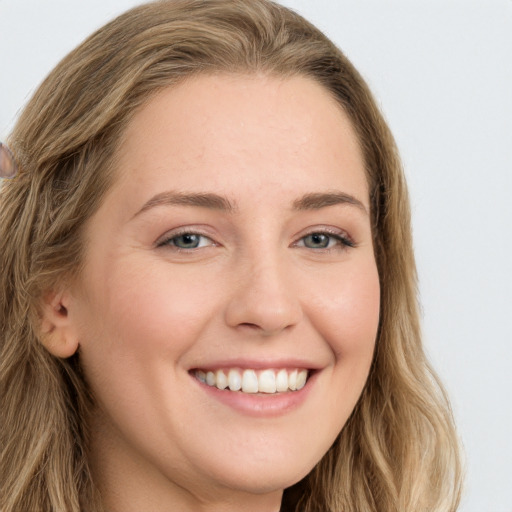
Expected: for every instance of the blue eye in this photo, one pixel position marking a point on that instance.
(317, 241)
(320, 240)
(187, 241)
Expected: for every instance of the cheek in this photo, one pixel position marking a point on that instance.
(350, 318)
(143, 309)
(135, 329)
(347, 312)
(135, 322)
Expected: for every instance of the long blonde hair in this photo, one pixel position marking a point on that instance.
(397, 452)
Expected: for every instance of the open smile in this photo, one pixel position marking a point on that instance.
(251, 381)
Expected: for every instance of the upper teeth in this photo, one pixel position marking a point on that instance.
(251, 381)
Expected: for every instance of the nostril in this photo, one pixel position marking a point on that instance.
(249, 325)
(251, 328)
(262, 330)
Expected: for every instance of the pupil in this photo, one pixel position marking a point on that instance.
(188, 241)
(318, 240)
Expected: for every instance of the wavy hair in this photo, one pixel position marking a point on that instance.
(397, 452)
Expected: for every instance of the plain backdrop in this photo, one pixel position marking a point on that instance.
(442, 72)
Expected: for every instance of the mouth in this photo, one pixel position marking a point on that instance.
(251, 381)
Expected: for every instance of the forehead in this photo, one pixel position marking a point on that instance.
(222, 130)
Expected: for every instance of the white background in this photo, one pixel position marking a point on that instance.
(442, 72)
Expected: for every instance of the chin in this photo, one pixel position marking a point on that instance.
(258, 475)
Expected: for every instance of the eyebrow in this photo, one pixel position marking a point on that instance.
(202, 200)
(316, 201)
(312, 201)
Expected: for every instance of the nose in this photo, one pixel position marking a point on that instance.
(264, 300)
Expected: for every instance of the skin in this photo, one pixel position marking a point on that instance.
(146, 313)
(7, 163)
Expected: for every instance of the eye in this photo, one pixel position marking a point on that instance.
(324, 240)
(186, 241)
(318, 241)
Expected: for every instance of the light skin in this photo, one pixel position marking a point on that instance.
(237, 234)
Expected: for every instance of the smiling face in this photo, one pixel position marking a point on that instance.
(234, 250)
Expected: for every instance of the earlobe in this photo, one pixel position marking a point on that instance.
(57, 331)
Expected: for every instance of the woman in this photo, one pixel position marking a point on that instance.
(208, 286)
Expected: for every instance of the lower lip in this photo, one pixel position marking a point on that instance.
(260, 404)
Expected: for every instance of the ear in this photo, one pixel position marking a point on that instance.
(58, 334)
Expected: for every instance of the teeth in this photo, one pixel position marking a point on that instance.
(292, 380)
(250, 381)
(267, 382)
(301, 379)
(222, 380)
(210, 379)
(282, 381)
(234, 380)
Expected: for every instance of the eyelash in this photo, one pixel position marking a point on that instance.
(343, 241)
(168, 240)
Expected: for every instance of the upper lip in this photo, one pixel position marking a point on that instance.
(258, 364)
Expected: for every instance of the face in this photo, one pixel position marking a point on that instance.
(234, 250)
